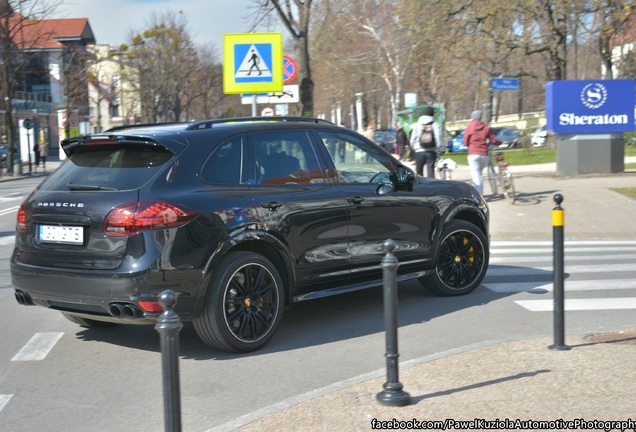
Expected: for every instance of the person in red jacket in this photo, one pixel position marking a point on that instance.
(477, 137)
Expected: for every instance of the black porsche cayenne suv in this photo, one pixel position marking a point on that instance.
(240, 217)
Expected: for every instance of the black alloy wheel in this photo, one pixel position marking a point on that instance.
(461, 260)
(244, 304)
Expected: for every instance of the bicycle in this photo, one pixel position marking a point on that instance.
(501, 178)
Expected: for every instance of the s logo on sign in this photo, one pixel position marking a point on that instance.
(594, 95)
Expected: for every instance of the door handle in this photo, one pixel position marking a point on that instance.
(272, 205)
(355, 199)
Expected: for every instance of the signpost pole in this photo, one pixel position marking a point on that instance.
(490, 100)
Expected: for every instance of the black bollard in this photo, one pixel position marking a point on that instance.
(392, 395)
(559, 270)
(169, 325)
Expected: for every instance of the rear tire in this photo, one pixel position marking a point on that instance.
(461, 260)
(244, 304)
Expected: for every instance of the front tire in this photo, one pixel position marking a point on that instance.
(461, 260)
(244, 304)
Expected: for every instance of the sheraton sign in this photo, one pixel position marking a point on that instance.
(590, 106)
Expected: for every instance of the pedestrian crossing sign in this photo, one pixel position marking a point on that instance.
(252, 63)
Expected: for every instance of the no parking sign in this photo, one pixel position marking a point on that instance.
(289, 69)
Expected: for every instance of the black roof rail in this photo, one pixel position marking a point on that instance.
(141, 125)
(206, 124)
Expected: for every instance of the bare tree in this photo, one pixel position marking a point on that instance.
(75, 78)
(161, 61)
(392, 44)
(295, 16)
(614, 18)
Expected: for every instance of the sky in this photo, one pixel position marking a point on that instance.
(113, 20)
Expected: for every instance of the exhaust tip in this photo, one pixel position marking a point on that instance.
(23, 298)
(125, 310)
(131, 311)
(116, 310)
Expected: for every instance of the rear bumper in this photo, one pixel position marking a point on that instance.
(91, 294)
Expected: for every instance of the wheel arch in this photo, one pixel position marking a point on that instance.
(277, 255)
(472, 216)
(466, 213)
(259, 243)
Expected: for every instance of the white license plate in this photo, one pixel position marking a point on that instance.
(61, 234)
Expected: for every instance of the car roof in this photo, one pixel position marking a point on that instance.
(220, 122)
(174, 136)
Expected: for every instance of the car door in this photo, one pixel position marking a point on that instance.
(300, 207)
(374, 217)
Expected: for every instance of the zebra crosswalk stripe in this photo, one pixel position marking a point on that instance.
(517, 267)
(580, 304)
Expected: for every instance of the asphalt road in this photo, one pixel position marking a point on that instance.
(110, 379)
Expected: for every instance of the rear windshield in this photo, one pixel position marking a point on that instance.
(108, 167)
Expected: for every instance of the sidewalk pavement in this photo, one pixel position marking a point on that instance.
(519, 380)
(512, 380)
(498, 381)
(592, 209)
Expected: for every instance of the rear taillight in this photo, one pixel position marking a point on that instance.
(21, 220)
(131, 218)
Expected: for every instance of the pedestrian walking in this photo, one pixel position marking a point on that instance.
(477, 137)
(43, 152)
(401, 141)
(36, 152)
(425, 140)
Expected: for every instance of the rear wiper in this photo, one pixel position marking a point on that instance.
(72, 186)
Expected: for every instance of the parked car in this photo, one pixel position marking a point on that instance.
(241, 218)
(385, 138)
(458, 142)
(4, 152)
(509, 137)
(539, 136)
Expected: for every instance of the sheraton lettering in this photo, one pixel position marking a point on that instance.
(571, 119)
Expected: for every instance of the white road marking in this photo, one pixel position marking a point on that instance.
(575, 285)
(550, 251)
(567, 258)
(7, 240)
(4, 400)
(38, 347)
(572, 269)
(9, 210)
(580, 304)
(504, 243)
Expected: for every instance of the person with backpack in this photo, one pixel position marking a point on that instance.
(477, 137)
(425, 139)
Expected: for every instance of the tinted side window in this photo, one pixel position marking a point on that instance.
(224, 165)
(286, 157)
(355, 160)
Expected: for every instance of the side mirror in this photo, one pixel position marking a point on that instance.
(385, 189)
(405, 174)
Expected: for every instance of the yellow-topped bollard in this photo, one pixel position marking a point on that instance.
(559, 271)
(557, 212)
